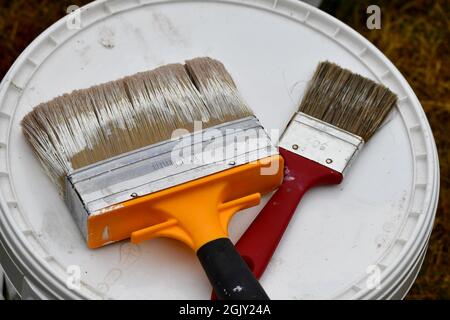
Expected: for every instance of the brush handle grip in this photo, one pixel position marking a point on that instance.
(261, 239)
(228, 273)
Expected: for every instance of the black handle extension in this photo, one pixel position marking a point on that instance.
(228, 273)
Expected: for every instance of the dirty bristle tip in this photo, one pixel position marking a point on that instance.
(90, 125)
(218, 89)
(347, 100)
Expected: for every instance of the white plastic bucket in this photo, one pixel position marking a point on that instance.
(374, 226)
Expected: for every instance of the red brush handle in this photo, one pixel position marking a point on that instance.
(260, 240)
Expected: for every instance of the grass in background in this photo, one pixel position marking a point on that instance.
(415, 35)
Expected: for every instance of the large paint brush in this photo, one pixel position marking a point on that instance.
(110, 150)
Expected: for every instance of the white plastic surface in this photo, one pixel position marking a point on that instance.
(379, 217)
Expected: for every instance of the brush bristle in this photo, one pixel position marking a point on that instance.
(217, 88)
(347, 100)
(94, 124)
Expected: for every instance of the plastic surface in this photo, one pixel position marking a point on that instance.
(378, 219)
(228, 273)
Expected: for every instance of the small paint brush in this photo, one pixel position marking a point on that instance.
(110, 150)
(338, 114)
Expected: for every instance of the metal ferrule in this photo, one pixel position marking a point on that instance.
(321, 142)
(94, 189)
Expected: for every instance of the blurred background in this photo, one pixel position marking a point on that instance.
(414, 35)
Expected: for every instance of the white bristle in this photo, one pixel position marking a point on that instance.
(94, 124)
(217, 88)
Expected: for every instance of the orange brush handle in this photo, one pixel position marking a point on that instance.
(195, 212)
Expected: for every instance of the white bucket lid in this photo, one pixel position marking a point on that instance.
(378, 219)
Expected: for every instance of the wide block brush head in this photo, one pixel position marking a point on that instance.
(90, 125)
(347, 100)
(109, 149)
